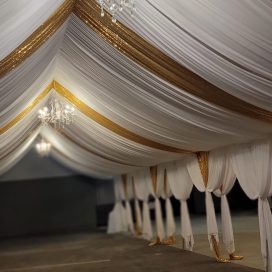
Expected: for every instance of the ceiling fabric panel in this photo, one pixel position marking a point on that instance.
(235, 53)
(128, 115)
(36, 39)
(19, 19)
(133, 97)
(19, 87)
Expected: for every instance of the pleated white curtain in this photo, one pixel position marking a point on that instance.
(165, 193)
(141, 179)
(181, 185)
(156, 188)
(227, 182)
(252, 165)
(117, 221)
(197, 179)
(128, 193)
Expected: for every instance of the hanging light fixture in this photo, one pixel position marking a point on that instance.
(43, 148)
(115, 6)
(57, 113)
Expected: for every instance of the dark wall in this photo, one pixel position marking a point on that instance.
(32, 166)
(48, 205)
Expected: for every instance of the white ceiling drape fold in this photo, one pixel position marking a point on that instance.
(235, 53)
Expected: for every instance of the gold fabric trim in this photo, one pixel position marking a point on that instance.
(124, 182)
(165, 180)
(94, 115)
(37, 38)
(153, 174)
(203, 162)
(148, 56)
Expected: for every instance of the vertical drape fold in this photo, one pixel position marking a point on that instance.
(186, 226)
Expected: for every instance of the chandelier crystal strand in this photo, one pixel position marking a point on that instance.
(58, 113)
(115, 6)
(43, 148)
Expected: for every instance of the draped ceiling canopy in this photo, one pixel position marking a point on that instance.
(179, 77)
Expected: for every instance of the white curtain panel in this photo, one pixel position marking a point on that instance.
(160, 229)
(252, 165)
(141, 179)
(181, 185)
(195, 174)
(164, 190)
(129, 195)
(117, 221)
(19, 19)
(234, 54)
(227, 183)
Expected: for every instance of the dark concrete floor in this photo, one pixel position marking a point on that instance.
(101, 252)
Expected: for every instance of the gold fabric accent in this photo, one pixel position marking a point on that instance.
(37, 38)
(165, 182)
(203, 162)
(217, 253)
(234, 257)
(153, 174)
(155, 242)
(124, 182)
(29, 108)
(112, 126)
(151, 58)
(171, 240)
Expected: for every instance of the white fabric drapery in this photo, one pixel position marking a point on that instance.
(117, 221)
(252, 165)
(221, 179)
(227, 182)
(233, 54)
(141, 179)
(164, 191)
(198, 181)
(159, 111)
(181, 185)
(155, 189)
(19, 19)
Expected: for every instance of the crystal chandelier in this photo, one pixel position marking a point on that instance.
(43, 148)
(115, 6)
(57, 113)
